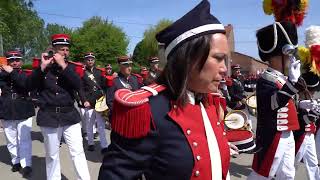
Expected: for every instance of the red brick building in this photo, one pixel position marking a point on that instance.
(249, 65)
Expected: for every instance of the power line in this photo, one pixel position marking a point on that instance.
(82, 18)
(249, 27)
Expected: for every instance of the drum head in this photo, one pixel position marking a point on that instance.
(101, 104)
(235, 120)
(252, 101)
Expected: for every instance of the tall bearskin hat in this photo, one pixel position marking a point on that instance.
(310, 55)
(272, 38)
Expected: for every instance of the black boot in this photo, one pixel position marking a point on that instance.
(26, 172)
(91, 148)
(104, 150)
(16, 167)
(96, 135)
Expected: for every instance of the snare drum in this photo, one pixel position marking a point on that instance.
(236, 119)
(252, 101)
(252, 104)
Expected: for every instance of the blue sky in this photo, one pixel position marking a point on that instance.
(135, 16)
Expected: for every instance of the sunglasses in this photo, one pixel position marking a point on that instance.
(90, 60)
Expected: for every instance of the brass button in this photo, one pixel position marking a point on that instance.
(175, 106)
(195, 144)
(218, 123)
(57, 93)
(57, 77)
(224, 133)
(188, 131)
(198, 158)
(197, 173)
(45, 77)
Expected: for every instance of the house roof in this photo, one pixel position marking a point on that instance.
(249, 57)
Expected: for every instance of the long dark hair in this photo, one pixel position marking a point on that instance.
(175, 76)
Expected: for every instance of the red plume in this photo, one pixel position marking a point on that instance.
(289, 10)
(315, 58)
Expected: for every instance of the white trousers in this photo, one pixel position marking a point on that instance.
(307, 153)
(73, 138)
(19, 143)
(283, 162)
(85, 113)
(92, 117)
(318, 145)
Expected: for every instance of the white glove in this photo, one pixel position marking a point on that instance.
(223, 86)
(234, 151)
(307, 104)
(316, 108)
(294, 69)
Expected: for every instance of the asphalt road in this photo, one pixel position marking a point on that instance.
(240, 166)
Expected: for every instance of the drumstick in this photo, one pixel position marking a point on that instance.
(230, 120)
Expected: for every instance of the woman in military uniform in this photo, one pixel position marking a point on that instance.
(175, 134)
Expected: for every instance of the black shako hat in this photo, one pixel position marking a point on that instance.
(12, 55)
(89, 55)
(272, 38)
(236, 67)
(312, 81)
(195, 23)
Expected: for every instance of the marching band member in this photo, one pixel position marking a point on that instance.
(304, 137)
(57, 81)
(154, 71)
(310, 56)
(276, 111)
(124, 80)
(236, 90)
(171, 130)
(17, 112)
(93, 86)
(109, 75)
(108, 70)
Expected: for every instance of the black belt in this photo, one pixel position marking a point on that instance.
(59, 109)
(14, 96)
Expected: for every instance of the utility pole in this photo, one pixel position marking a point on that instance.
(1, 45)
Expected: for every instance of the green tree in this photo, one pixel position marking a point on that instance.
(149, 46)
(102, 37)
(56, 29)
(21, 27)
